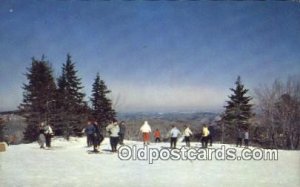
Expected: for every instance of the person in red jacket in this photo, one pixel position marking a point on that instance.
(157, 135)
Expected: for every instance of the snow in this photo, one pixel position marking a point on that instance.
(69, 164)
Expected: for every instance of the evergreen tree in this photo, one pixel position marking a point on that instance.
(71, 106)
(238, 110)
(37, 97)
(102, 110)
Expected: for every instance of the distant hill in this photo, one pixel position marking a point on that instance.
(10, 112)
(202, 117)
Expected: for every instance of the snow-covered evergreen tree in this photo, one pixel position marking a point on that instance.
(71, 106)
(238, 110)
(38, 94)
(102, 109)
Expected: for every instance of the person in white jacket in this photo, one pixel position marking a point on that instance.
(187, 133)
(146, 130)
(48, 134)
(174, 133)
(113, 129)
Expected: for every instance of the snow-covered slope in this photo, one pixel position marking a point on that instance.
(69, 164)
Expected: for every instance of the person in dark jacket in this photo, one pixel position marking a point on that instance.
(211, 134)
(89, 131)
(122, 132)
(239, 137)
(97, 136)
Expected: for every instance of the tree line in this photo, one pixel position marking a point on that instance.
(273, 119)
(60, 102)
(278, 119)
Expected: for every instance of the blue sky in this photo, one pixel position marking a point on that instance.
(154, 56)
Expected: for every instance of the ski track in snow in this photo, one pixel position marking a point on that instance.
(69, 164)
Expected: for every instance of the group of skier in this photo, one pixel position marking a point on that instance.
(116, 132)
(95, 135)
(242, 134)
(174, 134)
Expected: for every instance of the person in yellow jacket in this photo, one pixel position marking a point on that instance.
(205, 133)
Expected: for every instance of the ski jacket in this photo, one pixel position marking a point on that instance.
(122, 128)
(187, 132)
(96, 129)
(114, 130)
(48, 129)
(156, 134)
(239, 134)
(174, 132)
(205, 132)
(246, 135)
(211, 130)
(90, 129)
(145, 128)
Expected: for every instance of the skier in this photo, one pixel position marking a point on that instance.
(211, 134)
(187, 133)
(157, 136)
(239, 137)
(97, 137)
(89, 130)
(146, 130)
(113, 130)
(246, 138)
(42, 139)
(174, 133)
(48, 135)
(122, 132)
(205, 133)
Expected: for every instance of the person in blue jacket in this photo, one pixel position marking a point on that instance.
(89, 131)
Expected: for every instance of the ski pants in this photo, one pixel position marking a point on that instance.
(113, 143)
(187, 140)
(173, 142)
